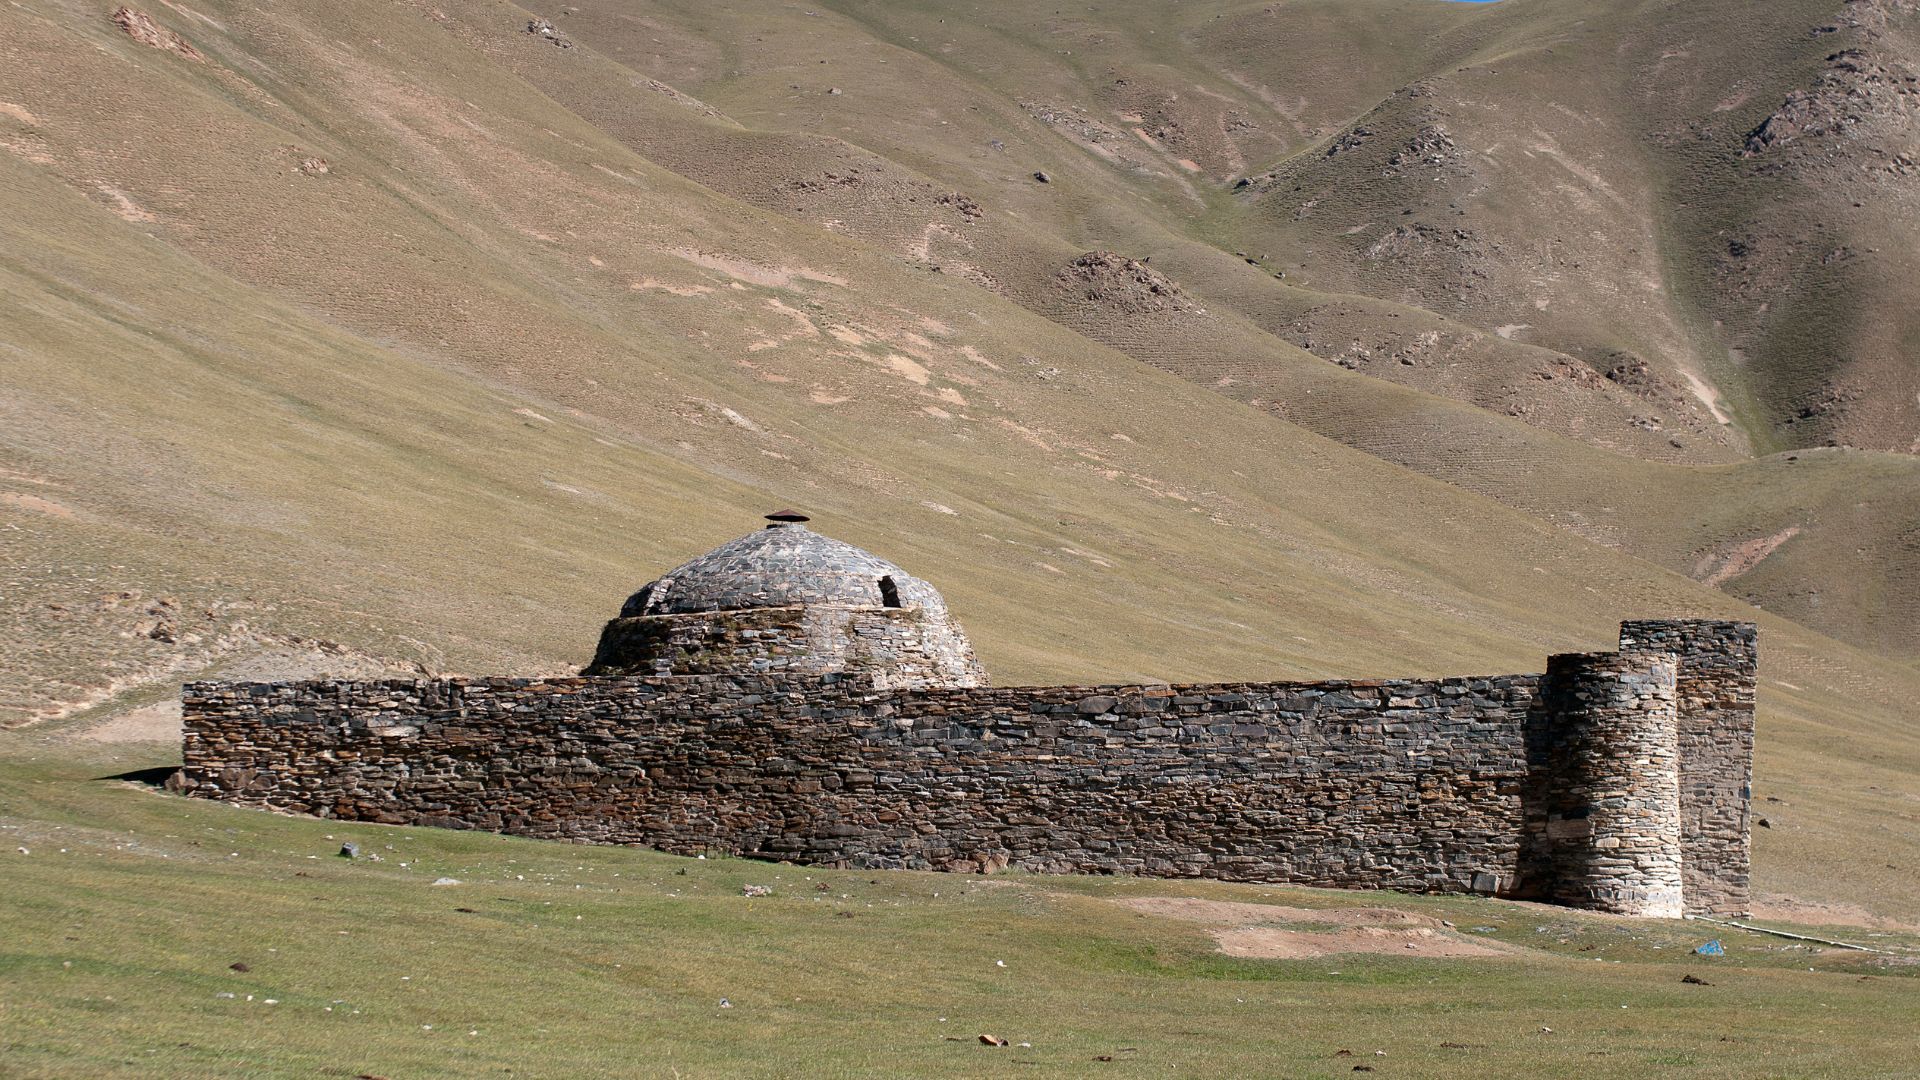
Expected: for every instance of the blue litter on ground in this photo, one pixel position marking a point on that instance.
(1711, 948)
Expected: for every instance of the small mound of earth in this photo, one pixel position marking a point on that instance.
(1855, 88)
(1431, 145)
(1122, 285)
(1385, 931)
(1276, 943)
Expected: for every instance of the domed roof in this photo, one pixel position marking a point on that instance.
(783, 565)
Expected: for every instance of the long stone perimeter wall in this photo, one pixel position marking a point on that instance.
(1565, 786)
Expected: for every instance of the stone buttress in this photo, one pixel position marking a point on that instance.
(1612, 783)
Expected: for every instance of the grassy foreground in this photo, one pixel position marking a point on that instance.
(121, 926)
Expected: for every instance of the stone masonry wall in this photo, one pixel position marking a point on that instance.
(1424, 785)
(1715, 697)
(1406, 784)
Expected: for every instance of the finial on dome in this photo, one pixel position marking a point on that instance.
(786, 517)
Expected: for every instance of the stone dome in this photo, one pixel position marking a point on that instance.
(786, 600)
(785, 564)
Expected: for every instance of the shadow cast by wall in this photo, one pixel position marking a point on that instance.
(155, 777)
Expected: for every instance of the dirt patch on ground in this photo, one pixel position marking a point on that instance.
(124, 205)
(1101, 139)
(1708, 396)
(1776, 908)
(34, 503)
(653, 285)
(1745, 556)
(1279, 943)
(1224, 912)
(151, 723)
(1247, 930)
(779, 277)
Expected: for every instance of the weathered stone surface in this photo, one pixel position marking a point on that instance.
(1610, 785)
(1714, 695)
(1458, 785)
(787, 599)
(905, 647)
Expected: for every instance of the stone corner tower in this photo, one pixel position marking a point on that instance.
(1612, 797)
(1643, 761)
(787, 600)
(1717, 671)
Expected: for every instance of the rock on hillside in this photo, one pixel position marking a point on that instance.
(1121, 285)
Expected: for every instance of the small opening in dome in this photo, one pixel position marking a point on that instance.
(889, 593)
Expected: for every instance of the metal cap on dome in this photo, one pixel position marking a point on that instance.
(788, 517)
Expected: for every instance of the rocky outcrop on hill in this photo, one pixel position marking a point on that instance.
(142, 28)
(544, 28)
(1123, 285)
(1856, 89)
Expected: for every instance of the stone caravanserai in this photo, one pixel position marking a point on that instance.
(791, 697)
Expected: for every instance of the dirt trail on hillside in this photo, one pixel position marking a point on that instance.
(150, 723)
